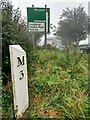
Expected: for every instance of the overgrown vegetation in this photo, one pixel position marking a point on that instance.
(57, 89)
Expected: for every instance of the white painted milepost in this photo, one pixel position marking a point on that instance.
(19, 79)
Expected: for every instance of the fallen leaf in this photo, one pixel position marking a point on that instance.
(39, 111)
(46, 112)
(36, 98)
(52, 112)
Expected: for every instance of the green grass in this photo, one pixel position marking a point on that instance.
(58, 85)
(58, 88)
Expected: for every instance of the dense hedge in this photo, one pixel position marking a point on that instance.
(14, 31)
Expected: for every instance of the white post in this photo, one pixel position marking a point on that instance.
(19, 79)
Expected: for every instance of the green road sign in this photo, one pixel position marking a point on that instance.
(38, 19)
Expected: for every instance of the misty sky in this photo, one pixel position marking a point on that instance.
(56, 6)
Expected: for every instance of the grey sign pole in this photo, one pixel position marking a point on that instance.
(34, 43)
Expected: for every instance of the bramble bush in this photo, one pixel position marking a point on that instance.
(57, 89)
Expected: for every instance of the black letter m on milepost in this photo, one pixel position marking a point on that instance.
(20, 61)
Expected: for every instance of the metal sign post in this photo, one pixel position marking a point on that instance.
(38, 20)
(33, 35)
